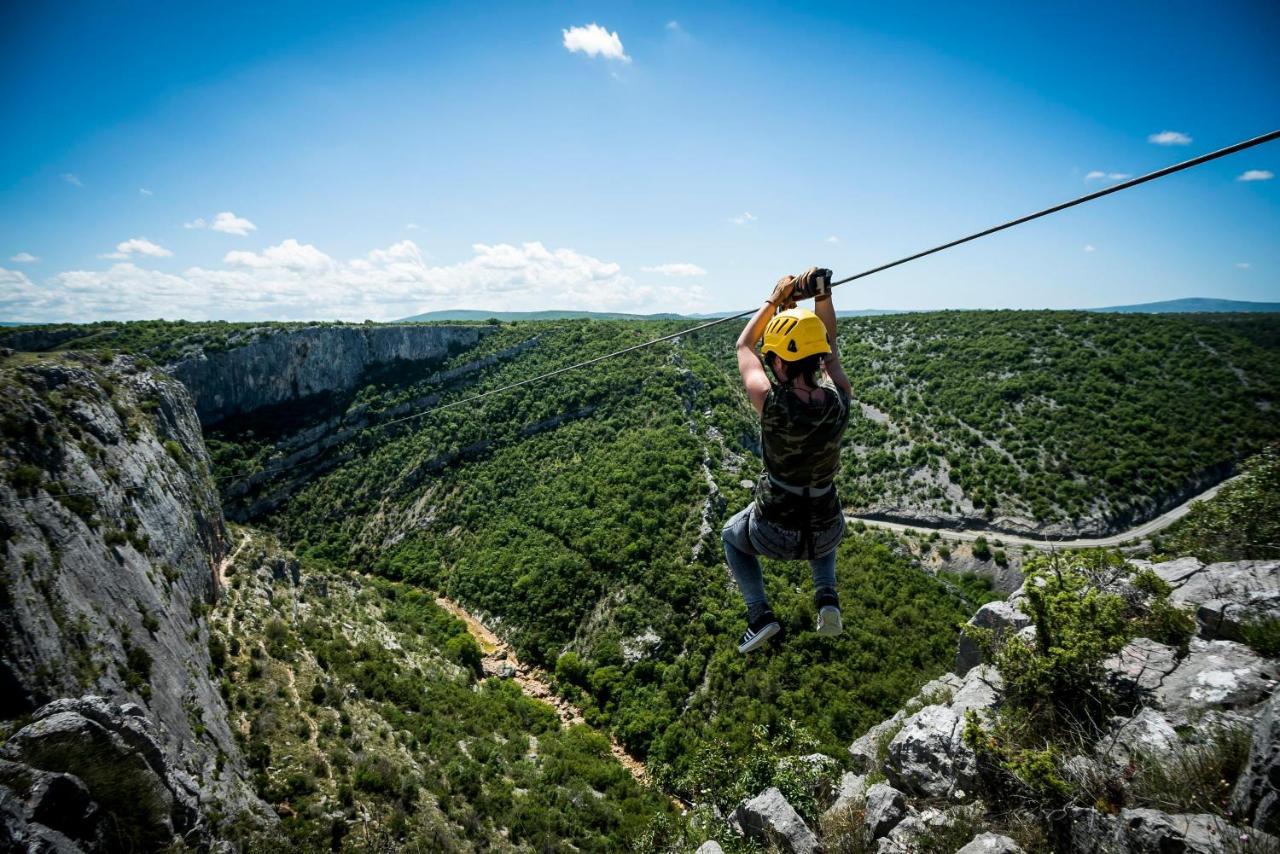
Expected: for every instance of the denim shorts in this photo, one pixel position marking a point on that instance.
(751, 533)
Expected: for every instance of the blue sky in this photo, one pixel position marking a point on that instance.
(306, 160)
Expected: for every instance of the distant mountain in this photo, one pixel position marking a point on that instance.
(479, 314)
(1189, 305)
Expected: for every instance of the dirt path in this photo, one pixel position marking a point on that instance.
(1159, 523)
(220, 571)
(500, 660)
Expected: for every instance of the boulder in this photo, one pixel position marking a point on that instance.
(768, 817)
(1257, 794)
(1145, 734)
(929, 758)
(1148, 831)
(886, 807)
(1220, 675)
(1141, 666)
(851, 792)
(709, 847)
(864, 754)
(1175, 572)
(1001, 618)
(990, 843)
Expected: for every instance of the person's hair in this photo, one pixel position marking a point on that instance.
(808, 367)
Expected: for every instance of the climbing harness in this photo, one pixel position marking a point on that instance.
(1106, 191)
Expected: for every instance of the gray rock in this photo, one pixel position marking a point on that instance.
(1141, 666)
(1228, 595)
(1156, 832)
(851, 792)
(1001, 617)
(709, 847)
(886, 806)
(928, 758)
(990, 843)
(1215, 675)
(117, 776)
(1146, 734)
(1082, 771)
(1176, 572)
(864, 754)
(768, 817)
(1257, 794)
(979, 692)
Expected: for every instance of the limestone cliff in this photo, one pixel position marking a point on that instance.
(281, 365)
(112, 533)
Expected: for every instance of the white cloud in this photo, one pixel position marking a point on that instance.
(1256, 175)
(297, 281)
(594, 40)
(674, 26)
(226, 222)
(1243, 265)
(411, 226)
(1097, 175)
(743, 218)
(73, 180)
(137, 246)
(143, 191)
(677, 269)
(289, 255)
(1088, 247)
(1169, 137)
(229, 223)
(24, 258)
(831, 238)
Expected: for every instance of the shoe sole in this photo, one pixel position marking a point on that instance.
(829, 622)
(760, 637)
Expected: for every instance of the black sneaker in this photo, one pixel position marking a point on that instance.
(827, 602)
(761, 625)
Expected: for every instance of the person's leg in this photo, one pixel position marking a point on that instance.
(742, 560)
(824, 571)
(825, 598)
(745, 566)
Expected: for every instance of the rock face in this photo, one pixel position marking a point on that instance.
(769, 818)
(1216, 675)
(95, 773)
(929, 758)
(282, 366)
(111, 540)
(1257, 793)
(1146, 831)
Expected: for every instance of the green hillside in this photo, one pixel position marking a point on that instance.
(576, 514)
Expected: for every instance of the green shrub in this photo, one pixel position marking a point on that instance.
(1263, 634)
(981, 550)
(25, 478)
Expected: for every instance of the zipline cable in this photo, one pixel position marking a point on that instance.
(1088, 197)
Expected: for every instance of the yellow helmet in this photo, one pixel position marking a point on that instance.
(795, 334)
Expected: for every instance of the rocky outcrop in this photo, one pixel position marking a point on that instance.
(886, 806)
(990, 843)
(1147, 831)
(1257, 793)
(1000, 618)
(111, 535)
(281, 365)
(94, 773)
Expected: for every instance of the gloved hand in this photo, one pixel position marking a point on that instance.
(813, 282)
(781, 296)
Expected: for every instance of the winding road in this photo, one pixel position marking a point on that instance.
(1151, 526)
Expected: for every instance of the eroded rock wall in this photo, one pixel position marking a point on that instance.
(282, 365)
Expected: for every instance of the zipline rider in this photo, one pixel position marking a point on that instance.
(796, 513)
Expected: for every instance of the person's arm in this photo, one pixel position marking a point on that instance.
(826, 310)
(749, 365)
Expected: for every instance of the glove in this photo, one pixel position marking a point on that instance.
(814, 282)
(781, 295)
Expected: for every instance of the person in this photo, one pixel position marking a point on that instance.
(804, 408)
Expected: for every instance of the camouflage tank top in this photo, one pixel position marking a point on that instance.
(801, 445)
